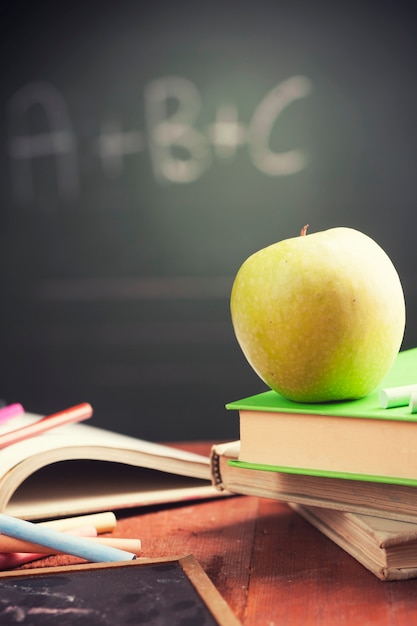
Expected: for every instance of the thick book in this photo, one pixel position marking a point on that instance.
(387, 548)
(355, 439)
(397, 502)
(78, 468)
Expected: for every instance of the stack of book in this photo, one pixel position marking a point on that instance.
(349, 468)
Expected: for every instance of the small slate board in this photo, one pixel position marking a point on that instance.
(155, 592)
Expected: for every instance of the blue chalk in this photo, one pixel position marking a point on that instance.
(61, 542)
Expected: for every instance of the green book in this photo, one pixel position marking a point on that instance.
(355, 439)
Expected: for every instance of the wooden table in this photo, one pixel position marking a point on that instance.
(269, 564)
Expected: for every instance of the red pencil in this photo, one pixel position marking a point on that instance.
(76, 413)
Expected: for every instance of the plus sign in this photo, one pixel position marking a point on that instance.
(113, 144)
(226, 133)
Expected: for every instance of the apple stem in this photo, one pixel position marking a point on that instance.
(303, 231)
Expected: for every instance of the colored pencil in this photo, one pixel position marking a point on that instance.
(74, 414)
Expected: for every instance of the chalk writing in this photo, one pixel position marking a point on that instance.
(180, 152)
(58, 140)
(114, 143)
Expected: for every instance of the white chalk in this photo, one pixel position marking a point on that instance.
(396, 396)
(413, 402)
(61, 542)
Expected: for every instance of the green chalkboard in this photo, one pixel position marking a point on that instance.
(145, 152)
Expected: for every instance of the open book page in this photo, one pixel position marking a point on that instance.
(70, 488)
(90, 438)
(94, 485)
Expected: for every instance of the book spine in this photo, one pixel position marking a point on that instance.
(389, 574)
(216, 476)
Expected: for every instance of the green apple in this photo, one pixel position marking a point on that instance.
(320, 316)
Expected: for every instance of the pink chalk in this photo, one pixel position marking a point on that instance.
(9, 411)
(9, 560)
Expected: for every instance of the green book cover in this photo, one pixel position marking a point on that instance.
(403, 372)
(307, 471)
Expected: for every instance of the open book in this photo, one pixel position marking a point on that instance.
(77, 468)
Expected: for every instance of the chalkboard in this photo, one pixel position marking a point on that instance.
(147, 150)
(160, 592)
